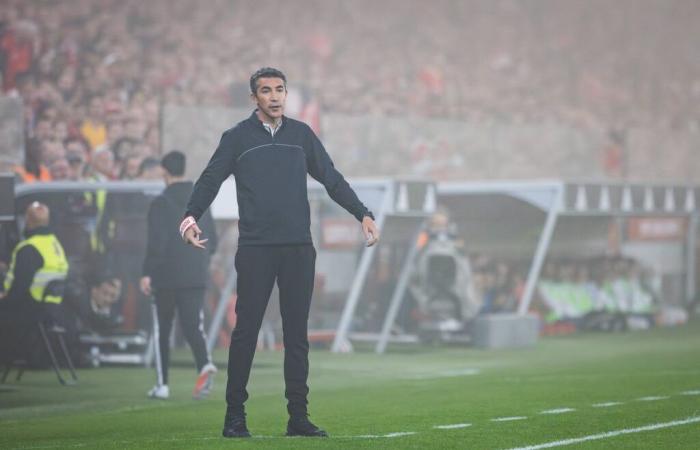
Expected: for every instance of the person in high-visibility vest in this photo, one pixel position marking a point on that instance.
(36, 261)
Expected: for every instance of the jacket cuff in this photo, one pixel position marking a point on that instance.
(367, 213)
(187, 223)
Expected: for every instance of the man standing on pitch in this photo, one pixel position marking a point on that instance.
(269, 156)
(176, 286)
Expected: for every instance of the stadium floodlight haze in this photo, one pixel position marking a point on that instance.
(377, 224)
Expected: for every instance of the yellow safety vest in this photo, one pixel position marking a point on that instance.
(55, 266)
(100, 200)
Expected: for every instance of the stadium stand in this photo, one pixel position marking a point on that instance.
(101, 70)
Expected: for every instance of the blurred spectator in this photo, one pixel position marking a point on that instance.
(115, 132)
(76, 166)
(103, 69)
(131, 167)
(77, 156)
(124, 147)
(150, 169)
(33, 169)
(93, 127)
(51, 151)
(135, 128)
(60, 170)
(92, 300)
(19, 44)
(102, 165)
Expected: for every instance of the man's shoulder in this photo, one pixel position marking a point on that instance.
(294, 123)
(158, 202)
(236, 132)
(233, 130)
(242, 125)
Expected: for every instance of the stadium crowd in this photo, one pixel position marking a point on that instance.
(94, 74)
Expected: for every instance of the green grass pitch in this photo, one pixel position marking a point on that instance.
(651, 378)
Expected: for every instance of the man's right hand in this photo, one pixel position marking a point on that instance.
(192, 233)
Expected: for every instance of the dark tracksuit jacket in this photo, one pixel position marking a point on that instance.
(179, 272)
(270, 174)
(165, 250)
(274, 239)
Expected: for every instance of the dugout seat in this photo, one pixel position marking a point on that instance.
(45, 325)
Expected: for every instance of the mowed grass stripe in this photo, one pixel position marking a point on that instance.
(109, 409)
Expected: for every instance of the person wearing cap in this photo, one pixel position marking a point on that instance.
(270, 156)
(176, 274)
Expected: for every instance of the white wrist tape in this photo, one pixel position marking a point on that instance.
(186, 224)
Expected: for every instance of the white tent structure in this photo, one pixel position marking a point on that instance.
(519, 216)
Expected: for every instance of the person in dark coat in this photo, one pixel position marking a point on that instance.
(177, 286)
(270, 156)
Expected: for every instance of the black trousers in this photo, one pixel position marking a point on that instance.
(188, 303)
(258, 267)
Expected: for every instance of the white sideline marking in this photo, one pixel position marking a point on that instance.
(376, 436)
(690, 393)
(399, 434)
(557, 411)
(652, 398)
(508, 419)
(444, 374)
(609, 434)
(453, 426)
(606, 404)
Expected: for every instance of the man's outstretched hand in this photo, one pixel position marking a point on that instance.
(190, 232)
(370, 230)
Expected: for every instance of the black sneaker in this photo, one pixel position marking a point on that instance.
(235, 427)
(302, 426)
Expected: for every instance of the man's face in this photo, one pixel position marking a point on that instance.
(270, 95)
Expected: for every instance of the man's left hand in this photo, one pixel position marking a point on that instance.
(370, 230)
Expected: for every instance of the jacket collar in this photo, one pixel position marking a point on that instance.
(258, 123)
(34, 231)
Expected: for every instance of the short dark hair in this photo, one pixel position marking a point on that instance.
(174, 163)
(266, 72)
